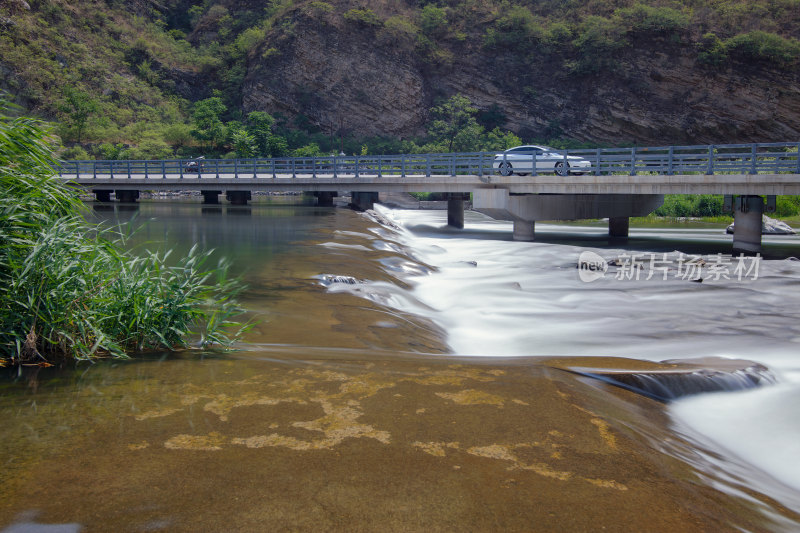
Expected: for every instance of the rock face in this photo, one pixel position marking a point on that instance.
(339, 82)
(356, 79)
(770, 226)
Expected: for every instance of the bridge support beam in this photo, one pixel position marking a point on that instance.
(210, 197)
(363, 200)
(238, 197)
(102, 195)
(747, 224)
(618, 227)
(524, 230)
(455, 210)
(325, 198)
(126, 196)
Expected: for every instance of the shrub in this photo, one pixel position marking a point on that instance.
(365, 17)
(400, 30)
(517, 28)
(642, 18)
(761, 45)
(433, 20)
(712, 51)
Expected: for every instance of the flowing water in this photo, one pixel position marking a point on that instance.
(404, 376)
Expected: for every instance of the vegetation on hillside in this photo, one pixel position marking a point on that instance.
(69, 293)
(128, 78)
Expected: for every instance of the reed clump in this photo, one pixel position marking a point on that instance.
(68, 290)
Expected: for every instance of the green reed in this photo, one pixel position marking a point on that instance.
(69, 291)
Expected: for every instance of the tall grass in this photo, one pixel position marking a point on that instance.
(68, 292)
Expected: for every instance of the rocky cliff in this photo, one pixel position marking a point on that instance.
(368, 83)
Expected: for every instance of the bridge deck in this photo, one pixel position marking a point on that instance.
(763, 184)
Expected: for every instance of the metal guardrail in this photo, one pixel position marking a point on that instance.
(762, 158)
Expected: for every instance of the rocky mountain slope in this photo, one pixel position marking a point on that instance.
(607, 72)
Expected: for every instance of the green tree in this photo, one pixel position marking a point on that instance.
(243, 143)
(208, 127)
(455, 125)
(259, 125)
(77, 106)
(277, 146)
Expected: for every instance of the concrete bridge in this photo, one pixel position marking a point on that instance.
(613, 183)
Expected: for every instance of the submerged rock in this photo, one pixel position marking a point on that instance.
(329, 279)
(770, 226)
(670, 380)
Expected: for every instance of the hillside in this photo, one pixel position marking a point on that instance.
(128, 74)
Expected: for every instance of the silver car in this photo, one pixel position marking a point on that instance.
(519, 160)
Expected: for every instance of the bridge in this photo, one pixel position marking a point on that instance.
(613, 183)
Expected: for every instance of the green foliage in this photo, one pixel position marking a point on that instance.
(644, 18)
(398, 29)
(67, 292)
(454, 120)
(711, 50)
(691, 205)
(77, 107)
(517, 28)
(364, 17)
(244, 144)
(310, 150)
(760, 45)
(597, 41)
(208, 125)
(433, 20)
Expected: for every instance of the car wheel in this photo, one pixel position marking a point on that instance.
(522, 173)
(506, 169)
(561, 170)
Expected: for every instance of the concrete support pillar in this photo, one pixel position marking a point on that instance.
(747, 224)
(126, 196)
(455, 210)
(524, 230)
(364, 200)
(210, 197)
(102, 195)
(618, 226)
(325, 198)
(238, 197)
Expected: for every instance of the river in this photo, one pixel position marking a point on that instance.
(406, 376)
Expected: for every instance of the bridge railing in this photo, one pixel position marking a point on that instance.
(772, 158)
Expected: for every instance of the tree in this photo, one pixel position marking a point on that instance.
(243, 143)
(259, 125)
(208, 126)
(454, 120)
(77, 107)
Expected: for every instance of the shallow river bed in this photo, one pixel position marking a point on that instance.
(417, 379)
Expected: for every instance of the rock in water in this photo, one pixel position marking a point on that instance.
(770, 226)
(674, 379)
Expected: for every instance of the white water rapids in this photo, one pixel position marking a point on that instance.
(496, 297)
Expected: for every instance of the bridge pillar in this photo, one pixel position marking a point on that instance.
(524, 230)
(102, 195)
(618, 226)
(126, 196)
(455, 210)
(325, 198)
(747, 224)
(210, 197)
(363, 200)
(238, 197)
